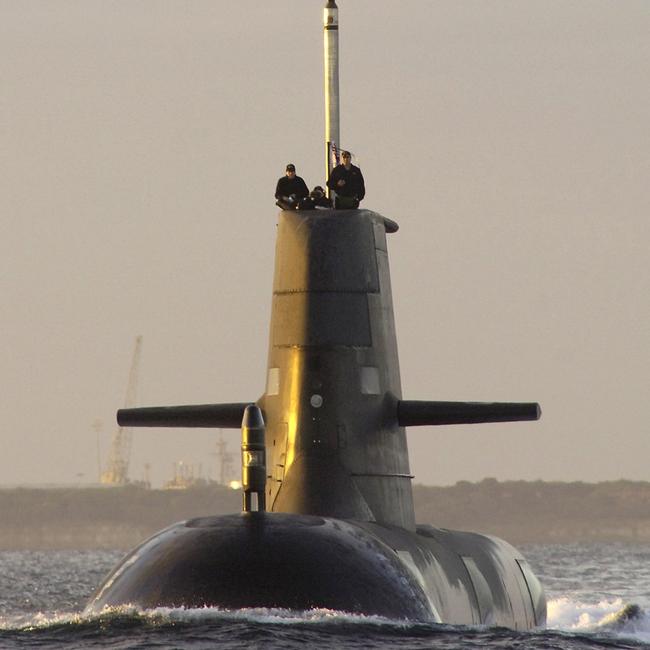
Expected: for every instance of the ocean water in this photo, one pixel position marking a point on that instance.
(42, 595)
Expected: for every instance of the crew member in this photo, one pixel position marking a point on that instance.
(290, 189)
(346, 180)
(318, 198)
(315, 200)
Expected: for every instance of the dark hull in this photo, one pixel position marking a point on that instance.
(303, 562)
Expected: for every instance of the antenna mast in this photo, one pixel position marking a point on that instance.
(331, 48)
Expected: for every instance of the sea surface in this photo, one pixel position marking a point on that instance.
(43, 593)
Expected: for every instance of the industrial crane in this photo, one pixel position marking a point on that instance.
(117, 469)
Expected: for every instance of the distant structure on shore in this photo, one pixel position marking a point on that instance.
(117, 468)
(184, 475)
(225, 462)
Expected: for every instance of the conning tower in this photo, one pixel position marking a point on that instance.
(334, 444)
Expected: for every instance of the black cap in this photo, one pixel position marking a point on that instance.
(291, 167)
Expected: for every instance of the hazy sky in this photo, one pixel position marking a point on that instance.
(141, 143)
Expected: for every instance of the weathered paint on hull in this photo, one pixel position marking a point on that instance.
(302, 562)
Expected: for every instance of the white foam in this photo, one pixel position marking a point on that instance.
(566, 614)
(163, 615)
(570, 615)
(263, 615)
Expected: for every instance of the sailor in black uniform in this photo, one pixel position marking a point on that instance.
(290, 189)
(347, 181)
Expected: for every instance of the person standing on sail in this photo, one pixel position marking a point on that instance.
(346, 180)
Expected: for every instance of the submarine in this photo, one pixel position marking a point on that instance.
(327, 518)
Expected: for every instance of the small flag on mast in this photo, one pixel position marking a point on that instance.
(335, 154)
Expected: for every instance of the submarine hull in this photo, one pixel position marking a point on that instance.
(303, 562)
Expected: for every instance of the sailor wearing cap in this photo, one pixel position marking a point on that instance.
(290, 189)
(347, 181)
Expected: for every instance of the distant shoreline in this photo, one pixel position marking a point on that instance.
(518, 511)
(544, 512)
